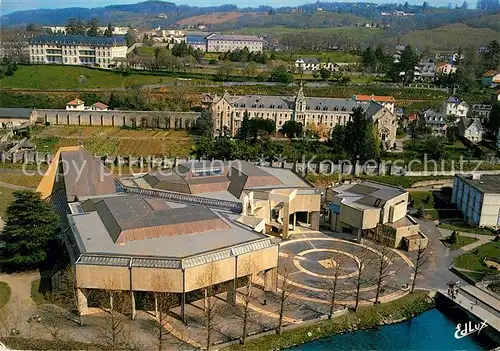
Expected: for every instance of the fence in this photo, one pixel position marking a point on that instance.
(327, 167)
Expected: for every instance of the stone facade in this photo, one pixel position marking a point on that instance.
(228, 111)
(117, 118)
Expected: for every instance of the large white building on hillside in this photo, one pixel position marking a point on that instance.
(101, 52)
(222, 43)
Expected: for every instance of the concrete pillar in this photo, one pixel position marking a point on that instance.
(111, 300)
(315, 220)
(157, 315)
(205, 299)
(359, 235)
(132, 302)
(82, 302)
(294, 220)
(286, 221)
(270, 279)
(307, 217)
(183, 307)
(231, 293)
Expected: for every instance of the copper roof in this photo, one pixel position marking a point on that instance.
(129, 218)
(203, 177)
(84, 175)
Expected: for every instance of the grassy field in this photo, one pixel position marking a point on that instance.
(74, 77)
(425, 199)
(462, 241)
(114, 140)
(6, 198)
(474, 260)
(28, 181)
(4, 293)
(355, 33)
(463, 227)
(450, 37)
(217, 17)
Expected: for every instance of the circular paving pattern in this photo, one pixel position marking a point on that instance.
(314, 257)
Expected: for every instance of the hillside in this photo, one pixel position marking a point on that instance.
(491, 21)
(450, 37)
(217, 17)
(302, 20)
(143, 13)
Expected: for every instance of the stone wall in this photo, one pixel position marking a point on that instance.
(120, 118)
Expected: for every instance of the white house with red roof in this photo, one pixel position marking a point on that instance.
(75, 105)
(79, 105)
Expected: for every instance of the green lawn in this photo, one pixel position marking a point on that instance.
(425, 198)
(462, 241)
(474, 260)
(463, 227)
(5, 199)
(44, 77)
(36, 295)
(28, 181)
(4, 293)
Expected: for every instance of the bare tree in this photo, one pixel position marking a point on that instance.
(336, 267)
(383, 262)
(359, 281)
(163, 302)
(247, 296)
(115, 331)
(64, 293)
(286, 289)
(211, 307)
(424, 252)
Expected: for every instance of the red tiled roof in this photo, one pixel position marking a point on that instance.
(490, 73)
(376, 98)
(75, 102)
(100, 105)
(161, 231)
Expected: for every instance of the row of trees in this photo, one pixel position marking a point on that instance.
(76, 26)
(357, 140)
(245, 55)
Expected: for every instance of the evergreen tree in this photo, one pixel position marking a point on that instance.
(292, 129)
(109, 31)
(93, 30)
(245, 129)
(129, 38)
(75, 27)
(31, 224)
(453, 239)
(361, 134)
(324, 73)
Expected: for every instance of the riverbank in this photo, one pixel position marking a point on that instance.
(366, 318)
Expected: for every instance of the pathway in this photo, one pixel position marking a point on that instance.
(14, 187)
(464, 300)
(481, 238)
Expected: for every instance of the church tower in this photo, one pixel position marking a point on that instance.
(300, 104)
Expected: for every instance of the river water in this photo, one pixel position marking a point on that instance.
(430, 330)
